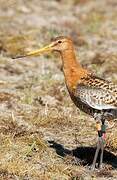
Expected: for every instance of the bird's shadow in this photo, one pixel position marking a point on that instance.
(84, 154)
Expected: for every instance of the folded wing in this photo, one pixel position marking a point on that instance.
(97, 93)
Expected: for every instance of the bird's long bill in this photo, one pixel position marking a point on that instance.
(36, 52)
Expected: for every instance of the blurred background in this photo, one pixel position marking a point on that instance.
(34, 104)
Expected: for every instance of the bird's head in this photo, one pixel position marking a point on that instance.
(59, 44)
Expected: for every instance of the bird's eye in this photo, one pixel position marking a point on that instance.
(59, 42)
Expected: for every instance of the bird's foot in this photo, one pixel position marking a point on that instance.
(97, 168)
(101, 166)
(92, 167)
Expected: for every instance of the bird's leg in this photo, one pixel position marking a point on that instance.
(100, 144)
(98, 126)
(101, 155)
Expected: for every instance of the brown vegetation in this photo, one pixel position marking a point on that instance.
(42, 134)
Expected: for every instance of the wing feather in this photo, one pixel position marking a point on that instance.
(97, 93)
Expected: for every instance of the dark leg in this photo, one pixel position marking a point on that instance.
(103, 131)
(96, 155)
(101, 156)
(100, 144)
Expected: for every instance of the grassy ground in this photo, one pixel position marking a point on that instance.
(43, 135)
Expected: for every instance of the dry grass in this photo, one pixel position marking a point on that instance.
(42, 134)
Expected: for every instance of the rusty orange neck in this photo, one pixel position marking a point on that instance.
(72, 69)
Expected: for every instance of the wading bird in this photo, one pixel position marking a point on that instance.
(93, 95)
